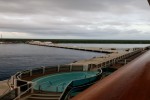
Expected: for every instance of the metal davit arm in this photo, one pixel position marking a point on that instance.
(131, 82)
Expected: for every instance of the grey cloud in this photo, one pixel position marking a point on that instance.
(75, 18)
(42, 6)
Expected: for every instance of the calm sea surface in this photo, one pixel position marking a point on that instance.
(17, 57)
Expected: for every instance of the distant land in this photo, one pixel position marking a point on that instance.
(78, 41)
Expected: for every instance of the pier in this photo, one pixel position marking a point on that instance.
(113, 58)
(110, 60)
(90, 49)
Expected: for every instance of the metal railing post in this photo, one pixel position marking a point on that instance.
(15, 83)
(32, 88)
(31, 72)
(43, 69)
(91, 67)
(109, 62)
(58, 68)
(125, 61)
(105, 63)
(115, 61)
(13, 80)
(39, 87)
(70, 67)
(57, 89)
(18, 92)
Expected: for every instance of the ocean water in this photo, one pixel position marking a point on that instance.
(18, 57)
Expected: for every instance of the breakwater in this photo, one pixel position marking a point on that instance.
(112, 57)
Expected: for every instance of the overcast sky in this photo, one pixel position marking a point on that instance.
(75, 19)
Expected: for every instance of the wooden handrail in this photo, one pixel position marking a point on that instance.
(131, 82)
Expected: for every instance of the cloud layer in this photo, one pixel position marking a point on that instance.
(75, 19)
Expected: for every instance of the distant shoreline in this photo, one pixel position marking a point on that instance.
(78, 41)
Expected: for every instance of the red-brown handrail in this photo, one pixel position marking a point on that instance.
(131, 82)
